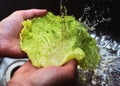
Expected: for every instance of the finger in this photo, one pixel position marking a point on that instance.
(70, 68)
(67, 73)
(33, 13)
(72, 64)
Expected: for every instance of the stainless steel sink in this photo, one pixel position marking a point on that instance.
(8, 67)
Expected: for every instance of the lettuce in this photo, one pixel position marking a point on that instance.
(53, 40)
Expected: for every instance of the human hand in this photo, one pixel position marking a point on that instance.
(10, 29)
(28, 75)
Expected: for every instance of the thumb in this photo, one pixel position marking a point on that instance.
(33, 13)
(69, 68)
(72, 64)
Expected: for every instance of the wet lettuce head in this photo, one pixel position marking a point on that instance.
(53, 40)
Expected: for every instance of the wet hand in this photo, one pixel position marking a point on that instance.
(28, 75)
(10, 29)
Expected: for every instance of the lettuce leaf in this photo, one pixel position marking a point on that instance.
(53, 40)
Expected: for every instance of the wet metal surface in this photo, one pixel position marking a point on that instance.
(6, 68)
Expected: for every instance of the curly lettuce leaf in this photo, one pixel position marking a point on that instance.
(53, 40)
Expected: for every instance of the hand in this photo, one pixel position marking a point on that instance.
(10, 29)
(28, 75)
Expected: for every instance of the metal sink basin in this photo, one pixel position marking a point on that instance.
(7, 67)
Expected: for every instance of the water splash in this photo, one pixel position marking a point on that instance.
(108, 71)
(95, 13)
(98, 12)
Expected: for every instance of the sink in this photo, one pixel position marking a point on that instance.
(7, 67)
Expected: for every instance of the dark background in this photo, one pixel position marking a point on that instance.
(9, 6)
(75, 7)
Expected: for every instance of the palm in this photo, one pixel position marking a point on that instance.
(48, 76)
(10, 29)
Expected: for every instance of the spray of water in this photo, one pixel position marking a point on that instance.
(108, 71)
(95, 13)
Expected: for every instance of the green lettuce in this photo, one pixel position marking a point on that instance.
(54, 40)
